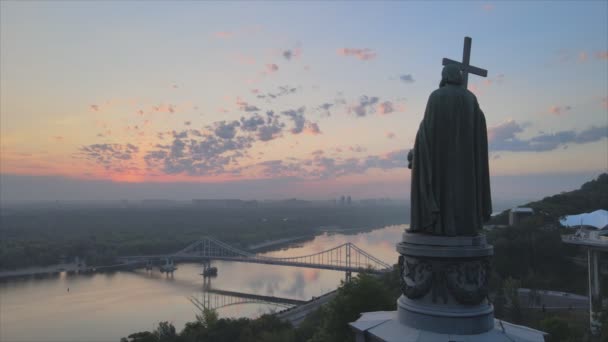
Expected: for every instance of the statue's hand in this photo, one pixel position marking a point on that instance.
(410, 158)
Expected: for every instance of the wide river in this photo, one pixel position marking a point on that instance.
(108, 306)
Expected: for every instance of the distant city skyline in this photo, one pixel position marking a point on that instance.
(266, 100)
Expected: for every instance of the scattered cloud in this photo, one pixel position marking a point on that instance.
(200, 154)
(270, 68)
(292, 53)
(322, 167)
(282, 91)
(270, 131)
(504, 138)
(361, 54)
(559, 110)
(390, 135)
(251, 124)
(602, 55)
(324, 108)
(164, 108)
(357, 148)
(364, 106)
(109, 155)
(385, 107)
(297, 116)
(226, 130)
(246, 107)
(583, 56)
(406, 78)
(312, 128)
(94, 107)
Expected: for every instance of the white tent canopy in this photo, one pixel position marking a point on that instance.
(597, 219)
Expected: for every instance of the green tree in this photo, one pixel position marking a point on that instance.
(165, 332)
(144, 336)
(511, 290)
(560, 330)
(363, 293)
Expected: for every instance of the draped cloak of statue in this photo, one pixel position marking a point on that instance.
(450, 193)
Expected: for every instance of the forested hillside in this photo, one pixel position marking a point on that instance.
(592, 196)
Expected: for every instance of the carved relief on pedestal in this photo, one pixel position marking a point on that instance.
(416, 276)
(466, 281)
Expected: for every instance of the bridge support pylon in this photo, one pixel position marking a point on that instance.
(148, 264)
(348, 276)
(168, 267)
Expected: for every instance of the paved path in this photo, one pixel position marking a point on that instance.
(297, 314)
(554, 300)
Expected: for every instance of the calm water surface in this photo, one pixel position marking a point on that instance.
(106, 307)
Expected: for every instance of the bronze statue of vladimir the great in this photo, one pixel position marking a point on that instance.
(450, 193)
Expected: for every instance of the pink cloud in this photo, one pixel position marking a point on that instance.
(270, 68)
(356, 148)
(94, 107)
(488, 7)
(245, 60)
(582, 56)
(312, 128)
(297, 52)
(385, 107)
(361, 54)
(601, 54)
(605, 102)
(163, 108)
(559, 110)
(58, 138)
(255, 91)
(390, 135)
(223, 34)
(140, 112)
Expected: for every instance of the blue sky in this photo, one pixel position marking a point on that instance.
(121, 91)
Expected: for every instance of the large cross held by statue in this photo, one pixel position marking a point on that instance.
(465, 66)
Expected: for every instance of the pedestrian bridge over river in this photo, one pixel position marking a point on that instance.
(346, 257)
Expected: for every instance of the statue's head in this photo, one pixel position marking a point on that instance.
(451, 74)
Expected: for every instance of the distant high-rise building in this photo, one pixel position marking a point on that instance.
(342, 200)
(348, 200)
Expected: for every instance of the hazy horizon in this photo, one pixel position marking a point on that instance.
(19, 188)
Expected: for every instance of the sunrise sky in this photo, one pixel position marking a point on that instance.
(104, 100)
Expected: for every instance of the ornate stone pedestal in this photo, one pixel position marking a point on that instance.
(444, 281)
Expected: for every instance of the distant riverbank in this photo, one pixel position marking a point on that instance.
(33, 271)
(278, 242)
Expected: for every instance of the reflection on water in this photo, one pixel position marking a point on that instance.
(105, 307)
